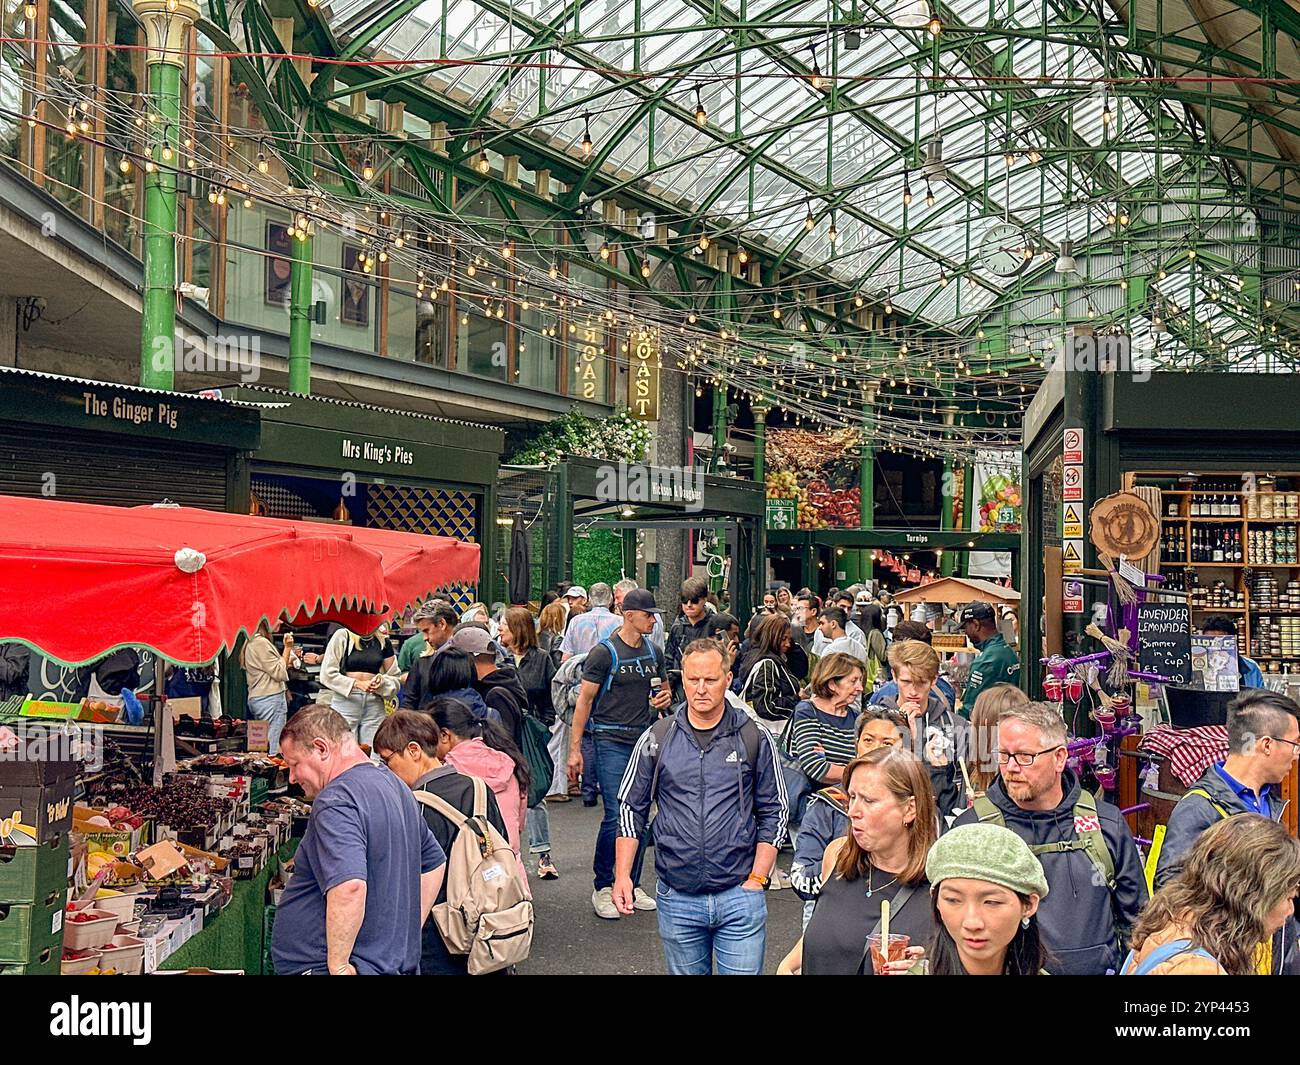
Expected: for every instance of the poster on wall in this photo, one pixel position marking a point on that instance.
(995, 507)
(279, 247)
(356, 290)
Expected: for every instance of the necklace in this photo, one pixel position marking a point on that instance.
(870, 890)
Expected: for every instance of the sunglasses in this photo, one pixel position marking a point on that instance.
(695, 599)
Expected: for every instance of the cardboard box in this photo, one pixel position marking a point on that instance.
(36, 812)
(157, 948)
(191, 706)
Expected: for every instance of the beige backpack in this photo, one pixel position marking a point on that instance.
(489, 911)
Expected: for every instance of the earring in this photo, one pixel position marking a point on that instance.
(1024, 922)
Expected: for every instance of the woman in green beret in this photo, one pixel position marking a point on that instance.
(985, 886)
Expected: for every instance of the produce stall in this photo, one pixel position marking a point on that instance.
(108, 863)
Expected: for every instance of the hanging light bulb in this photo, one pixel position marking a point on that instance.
(263, 167)
(1034, 156)
(815, 78)
(776, 313)
(857, 300)
(809, 222)
(701, 115)
(833, 233)
(29, 12)
(483, 165)
(554, 271)
(507, 249)
(929, 195)
(645, 268)
(604, 249)
(742, 256)
(167, 152)
(889, 306)
(934, 27)
(212, 194)
(248, 201)
(703, 243)
(150, 166)
(586, 133)
(367, 169)
(124, 165)
(1106, 116)
(221, 197)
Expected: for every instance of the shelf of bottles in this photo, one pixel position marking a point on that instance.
(1234, 552)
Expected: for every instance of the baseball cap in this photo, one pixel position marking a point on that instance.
(640, 599)
(472, 640)
(576, 591)
(975, 612)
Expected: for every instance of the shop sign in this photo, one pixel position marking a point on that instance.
(1072, 556)
(643, 382)
(1072, 447)
(782, 513)
(1072, 484)
(381, 453)
(134, 411)
(589, 369)
(1072, 600)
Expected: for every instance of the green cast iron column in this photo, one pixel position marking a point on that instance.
(867, 480)
(300, 317)
(167, 24)
(948, 559)
(158, 311)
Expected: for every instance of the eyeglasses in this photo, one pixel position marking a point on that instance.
(694, 599)
(1279, 739)
(1025, 758)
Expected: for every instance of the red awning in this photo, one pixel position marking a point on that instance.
(78, 580)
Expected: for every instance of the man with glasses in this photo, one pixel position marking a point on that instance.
(1086, 849)
(691, 625)
(1263, 741)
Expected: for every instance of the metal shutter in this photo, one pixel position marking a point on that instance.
(102, 468)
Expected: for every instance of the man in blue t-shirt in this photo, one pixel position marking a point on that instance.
(368, 869)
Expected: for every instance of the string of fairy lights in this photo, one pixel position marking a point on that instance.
(928, 392)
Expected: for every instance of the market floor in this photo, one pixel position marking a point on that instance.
(570, 938)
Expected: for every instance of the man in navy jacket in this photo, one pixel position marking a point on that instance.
(716, 778)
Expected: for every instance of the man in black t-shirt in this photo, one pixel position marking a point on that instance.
(620, 696)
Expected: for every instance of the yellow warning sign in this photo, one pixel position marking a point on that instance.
(1072, 556)
(1072, 514)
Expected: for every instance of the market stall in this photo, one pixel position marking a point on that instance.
(174, 845)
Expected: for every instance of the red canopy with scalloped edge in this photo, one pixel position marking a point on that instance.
(78, 580)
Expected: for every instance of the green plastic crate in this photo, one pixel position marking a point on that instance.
(26, 930)
(31, 873)
(47, 963)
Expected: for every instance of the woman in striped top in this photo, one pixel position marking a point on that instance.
(821, 738)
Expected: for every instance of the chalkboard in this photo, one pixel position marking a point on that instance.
(1165, 640)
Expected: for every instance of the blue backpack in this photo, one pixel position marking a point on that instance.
(614, 664)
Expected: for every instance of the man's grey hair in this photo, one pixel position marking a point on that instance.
(600, 594)
(624, 586)
(1043, 716)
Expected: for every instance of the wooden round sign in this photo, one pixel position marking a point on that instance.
(1123, 524)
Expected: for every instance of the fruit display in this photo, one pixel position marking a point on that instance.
(818, 471)
(998, 492)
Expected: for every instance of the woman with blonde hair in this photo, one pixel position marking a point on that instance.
(1218, 916)
(990, 704)
(550, 628)
(267, 671)
(891, 830)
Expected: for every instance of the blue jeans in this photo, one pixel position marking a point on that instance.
(611, 758)
(539, 829)
(272, 708)
(729, 928)
(589, 792)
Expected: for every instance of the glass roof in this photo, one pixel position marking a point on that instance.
(775, 145)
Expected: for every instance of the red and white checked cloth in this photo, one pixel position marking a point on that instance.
(1191, 751)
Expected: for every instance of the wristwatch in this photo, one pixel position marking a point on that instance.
(764, 880)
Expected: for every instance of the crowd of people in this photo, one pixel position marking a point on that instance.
(903, 793)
